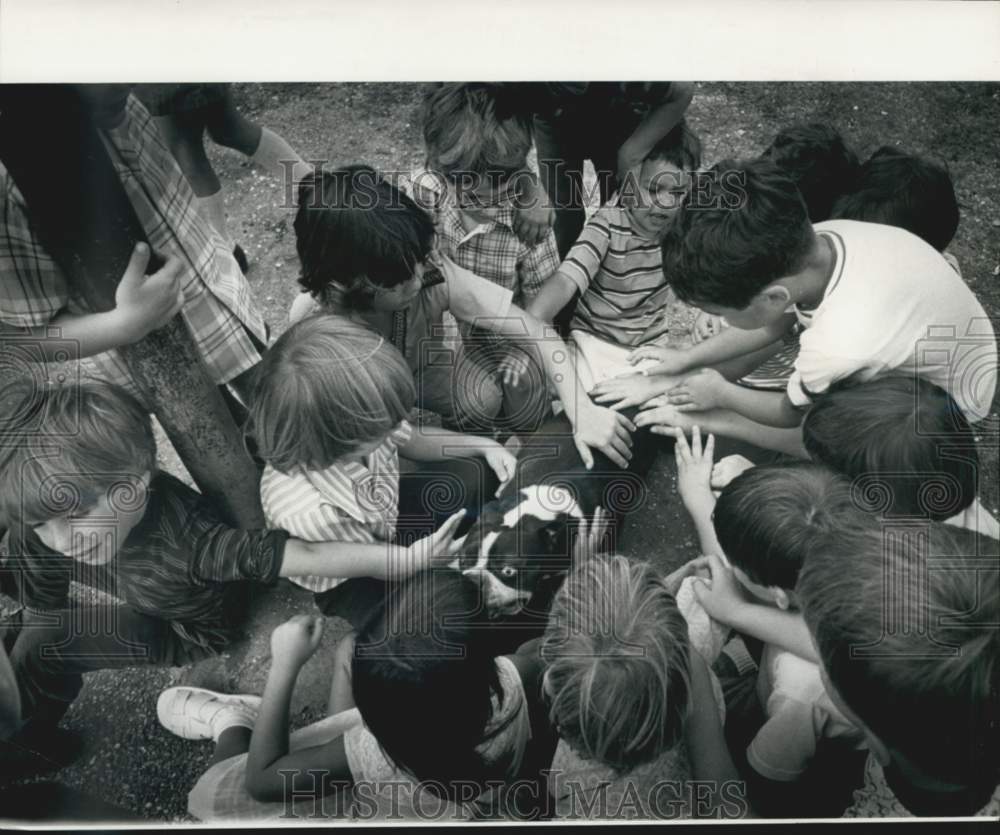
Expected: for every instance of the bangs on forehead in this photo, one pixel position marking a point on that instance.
(38, 487)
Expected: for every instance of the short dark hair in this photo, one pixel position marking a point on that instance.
(680, 146)
(766, 518)
(66, 445)
(742, 227)
(901, 189)
(428, 647)
(353, 224)
(819, 161)
(902, 440)
(927, 687)
(325, 387)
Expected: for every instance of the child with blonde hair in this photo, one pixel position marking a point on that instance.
(633, 701)
(330, 418)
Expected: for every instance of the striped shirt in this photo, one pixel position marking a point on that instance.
(172, 565)
(347, 502)
(623, 292)
(218, 307)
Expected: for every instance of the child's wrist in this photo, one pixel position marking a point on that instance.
(127, 325)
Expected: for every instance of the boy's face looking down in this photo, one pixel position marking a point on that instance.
(94, 533)
(766, 308)
(656, 197)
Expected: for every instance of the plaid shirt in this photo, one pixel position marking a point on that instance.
(218, 308)
(347, 502)
(491, 250)
(172, 565)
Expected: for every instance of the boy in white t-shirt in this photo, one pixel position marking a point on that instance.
(873, 299)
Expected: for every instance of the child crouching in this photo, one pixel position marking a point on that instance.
(632, 700)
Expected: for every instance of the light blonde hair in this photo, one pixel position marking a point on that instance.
(616, 651)
(326, 387)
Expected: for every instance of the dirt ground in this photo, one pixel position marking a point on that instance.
(129, 760)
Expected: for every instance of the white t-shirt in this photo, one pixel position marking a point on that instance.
(895, 305)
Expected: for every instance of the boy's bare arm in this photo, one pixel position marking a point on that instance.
(555, 293)
(657, 124)
(786, 630)
(731, 343)
(382, 560)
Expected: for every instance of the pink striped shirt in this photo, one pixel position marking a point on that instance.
(349, 501)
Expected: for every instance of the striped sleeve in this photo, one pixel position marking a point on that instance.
(585, 258)
(224, 555)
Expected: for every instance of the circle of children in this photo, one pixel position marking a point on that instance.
(836, 628)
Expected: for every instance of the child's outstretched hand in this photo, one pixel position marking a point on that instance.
(625, 391)
(721, 595)
(668, 360)
(694, 473)
(438, 549)
(697, 392)
(143, 302)
(590, 538)
(295, 640)
(533, 217)
(512, 367)
(503, 462)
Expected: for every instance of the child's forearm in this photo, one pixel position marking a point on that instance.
(91, 333)
(786, 630)
(269, 741)
(555, 293)
(657, 124)
(345, 559)
(771, 408)
(438, 444)
(734, 342)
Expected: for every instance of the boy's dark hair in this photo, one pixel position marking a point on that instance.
(767, 517)
(63, 446)
(902, 440)
(475, 128)
(818, 160)
(353, 224)
(905, 622)
(742, 227)
(901, 189)
(680, 147)
(428, 648)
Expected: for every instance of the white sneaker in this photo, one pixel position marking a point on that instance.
(197, 713)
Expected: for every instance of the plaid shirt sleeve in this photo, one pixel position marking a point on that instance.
(32, 288)
(539, 262)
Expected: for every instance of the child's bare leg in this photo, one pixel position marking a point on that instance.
(341, 695)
